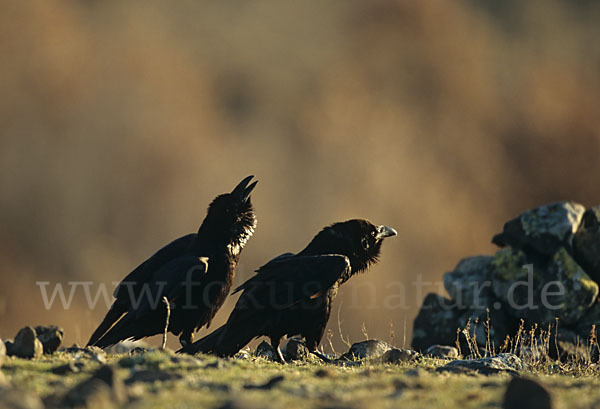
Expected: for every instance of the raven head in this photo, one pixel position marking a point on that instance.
(357, 239)
(231, 217)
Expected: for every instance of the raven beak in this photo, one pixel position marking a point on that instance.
(242, 190)
(385, 231)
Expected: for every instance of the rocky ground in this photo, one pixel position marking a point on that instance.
(372, 374)
(476, 349)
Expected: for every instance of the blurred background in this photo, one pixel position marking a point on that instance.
(120, 121)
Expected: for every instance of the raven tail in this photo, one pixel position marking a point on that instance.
(114, 313)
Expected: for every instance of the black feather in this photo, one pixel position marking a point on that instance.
(194, 272)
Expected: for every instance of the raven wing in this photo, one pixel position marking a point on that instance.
(147, 309)
(277, 286)
(265, 268)
(146, 271)
(171, 281)
(282, 283)
(129, 288)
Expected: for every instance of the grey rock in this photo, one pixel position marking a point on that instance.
(442, 351)
(371, 348)
(469, 284)
(17, 399)
(523, 393)
(50, 336)
(543, 229)
(398, 355)
(521, 291)
(125, 347)
(2, 352)
(436, 323)
(502, 363)
(243, 354)
(586, 243)
(93, 353)
(25, 345)
(104, 388)
(265, 350)
(295, 350)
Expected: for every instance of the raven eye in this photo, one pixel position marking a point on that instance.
(365, 243)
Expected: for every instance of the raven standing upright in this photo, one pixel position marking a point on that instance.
(293, 294)
(194, 273)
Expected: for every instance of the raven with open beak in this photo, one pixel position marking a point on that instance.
(194, 273)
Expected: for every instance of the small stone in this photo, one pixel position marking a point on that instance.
(243, 354)
(442, 351)
(139, 350)
(50, 336)
(265, 350)
(544, 229)
(125, 347)
(295, 350)
(371, 348)
(26, 344)
(99, 357)
(523, 393)
(501, 363)
(397, 355)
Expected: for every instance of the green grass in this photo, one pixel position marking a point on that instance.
(211, 382)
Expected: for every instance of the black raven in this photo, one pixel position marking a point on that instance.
(194, 273)
(293, 294)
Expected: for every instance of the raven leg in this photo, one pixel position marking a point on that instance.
(275, 345)
(164, 338)
(185, 338)
(311, 345)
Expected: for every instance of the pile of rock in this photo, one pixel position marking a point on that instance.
(33, 342)
(548, 268)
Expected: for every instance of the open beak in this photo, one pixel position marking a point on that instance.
(242, 191)
(385, 231)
